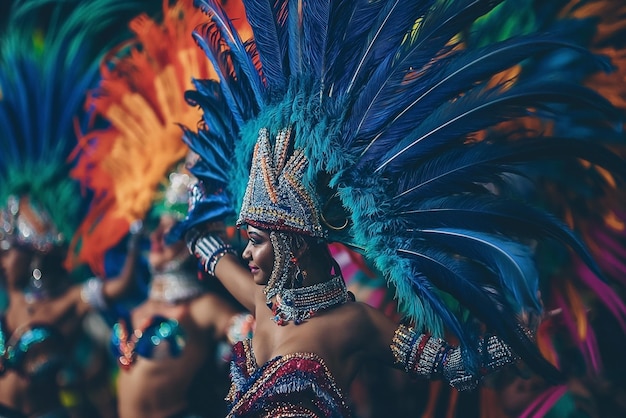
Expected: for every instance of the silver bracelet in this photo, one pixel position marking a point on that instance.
(208, 249)
(92, 293)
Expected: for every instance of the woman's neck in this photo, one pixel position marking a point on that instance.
(318, 271)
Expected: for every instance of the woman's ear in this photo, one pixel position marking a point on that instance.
(301, 250)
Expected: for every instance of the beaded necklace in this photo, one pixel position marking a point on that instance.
(302, 303)
(174, 283)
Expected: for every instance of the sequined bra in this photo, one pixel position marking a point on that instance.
(296, 384)
(127, 344)
(35, 351)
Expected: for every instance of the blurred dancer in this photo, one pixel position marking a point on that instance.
(40, 205)
(132, 158)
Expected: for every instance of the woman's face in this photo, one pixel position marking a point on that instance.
(14, 266)
(160, 253)
(259, 253)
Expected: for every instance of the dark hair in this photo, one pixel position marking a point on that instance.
(317, 249)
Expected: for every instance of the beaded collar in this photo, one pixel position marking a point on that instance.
(302, 303)
(174, 284)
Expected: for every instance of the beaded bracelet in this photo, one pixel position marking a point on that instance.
(209, 249)
(92, 293)
(429, 357)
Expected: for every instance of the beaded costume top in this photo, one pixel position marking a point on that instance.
(43, 340)
(297, 384)
(128, 343)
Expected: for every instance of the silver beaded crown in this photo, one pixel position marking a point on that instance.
(276, 197)
(37, 232)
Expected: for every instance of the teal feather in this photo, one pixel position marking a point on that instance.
(350, 86)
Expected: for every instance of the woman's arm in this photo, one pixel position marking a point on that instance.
(422, 355)
(213, 313)
(116, 287)
(97, 293)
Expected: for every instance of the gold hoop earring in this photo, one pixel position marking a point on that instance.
(326, 222)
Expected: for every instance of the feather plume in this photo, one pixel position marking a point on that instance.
(444, 82)
(481, 108)
(270, 37)
(349, 20)
(389, 29)
(236, 47)
(140, 101)
(510, 260)
(411, 131)
(315, 20)
(582, 193)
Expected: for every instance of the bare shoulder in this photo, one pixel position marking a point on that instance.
(364, 326)
(354, 320)
(209, 309)
(360, 312)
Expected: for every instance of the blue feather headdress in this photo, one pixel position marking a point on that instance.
(48, 59)
(385, 100)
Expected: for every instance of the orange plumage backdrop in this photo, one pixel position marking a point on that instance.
(140, 98)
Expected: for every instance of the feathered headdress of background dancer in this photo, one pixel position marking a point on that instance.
(133, 164)
(356, 122)
(46, 66)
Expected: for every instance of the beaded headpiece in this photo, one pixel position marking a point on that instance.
(276, 197)
(35, 231)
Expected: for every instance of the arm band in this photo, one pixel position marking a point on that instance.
(92, 293)
(422, 355)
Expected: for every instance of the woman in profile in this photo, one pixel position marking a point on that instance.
(355, 122)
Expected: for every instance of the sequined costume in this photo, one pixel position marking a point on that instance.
(128, 343)
(293, 385)
(35, 351)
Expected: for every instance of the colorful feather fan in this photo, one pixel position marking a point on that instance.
(386, 101)
(49, 56)
(140, 98)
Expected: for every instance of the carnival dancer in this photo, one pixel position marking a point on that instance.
(167, 345)
(353, 122)
(45, 72)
